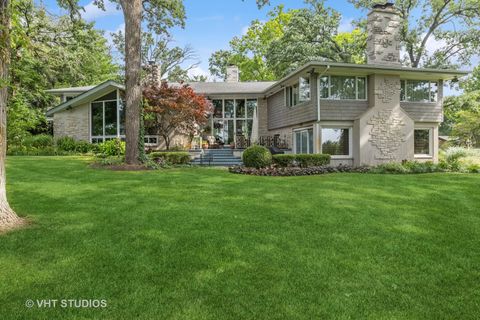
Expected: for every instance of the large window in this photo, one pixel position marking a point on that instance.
(418, 91)
(422, 144)
(343, 87)
(232, 120)
(336, 142)
(107, 118)
(303, 141)
(298, 92)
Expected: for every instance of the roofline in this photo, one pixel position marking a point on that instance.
(78, 98)
(366, 67)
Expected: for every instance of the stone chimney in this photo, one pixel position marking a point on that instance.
(233, 74)
(383, 28)
(153, 74)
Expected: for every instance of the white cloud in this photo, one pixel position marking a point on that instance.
(433, 44)
(92, 12)
(198, 71)
(346, 25)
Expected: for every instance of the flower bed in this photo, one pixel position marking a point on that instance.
(296, 171)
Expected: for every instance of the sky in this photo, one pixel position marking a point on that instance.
(211, 24)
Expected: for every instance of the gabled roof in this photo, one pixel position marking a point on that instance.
(77, 90)
(89, 95)
(219, 88)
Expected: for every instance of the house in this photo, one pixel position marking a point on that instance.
(361, 114)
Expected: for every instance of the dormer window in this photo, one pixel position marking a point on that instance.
(298, 92)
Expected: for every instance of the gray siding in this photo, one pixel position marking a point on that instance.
(342, 109)
(424, 112)
(279, 115)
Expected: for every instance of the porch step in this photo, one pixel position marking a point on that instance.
(217, 157)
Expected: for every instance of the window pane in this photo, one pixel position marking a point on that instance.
(362, 88)
(249, 128)
(111, 118)
(402, 90)
(242, 127)
(229, 132)
(240, 108)
(304, 89)
(324, 87)
(298, 142)
(422, 141)
(433, 91)
(97, 119)
(121, 110)
(218, 131)
(343, 87)
(335, 142)
(295, 94)
(111, 96)
(310, 141)
(217, 108)
(304, 141)
(251, 105)
(418, 91)
(229, 108)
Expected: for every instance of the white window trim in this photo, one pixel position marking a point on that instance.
(429, 88)
(430, 144)
(350, 140)
(295, 140)
(103, 137)
(336, 99)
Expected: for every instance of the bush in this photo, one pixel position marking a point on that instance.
(39, 141)
(297, 171)
(473, 168)
(312, 160)
(170, 158)
(84, 146)
(421, 167)
(66, 144)
(114, 147)
(301, 160)
(391, 167)
(284, 160)
(257, 157)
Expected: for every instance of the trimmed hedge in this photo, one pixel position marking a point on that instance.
(257, 157)
(171, 158)
(301, 160)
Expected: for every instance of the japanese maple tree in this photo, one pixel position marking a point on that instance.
(175, 109)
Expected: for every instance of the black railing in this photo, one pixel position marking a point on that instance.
(273, 141)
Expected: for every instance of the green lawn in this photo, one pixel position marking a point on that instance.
(205, 244)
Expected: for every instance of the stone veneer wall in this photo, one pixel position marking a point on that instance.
(72, 123)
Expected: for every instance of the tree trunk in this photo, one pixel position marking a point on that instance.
(8, 218)
(132, 11)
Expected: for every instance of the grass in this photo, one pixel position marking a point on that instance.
(205, 244)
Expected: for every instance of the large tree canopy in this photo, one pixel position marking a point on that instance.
(175, 62)
(453, 23)
(269, 50)
(46, 51)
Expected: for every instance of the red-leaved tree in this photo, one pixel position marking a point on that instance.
(171, 110)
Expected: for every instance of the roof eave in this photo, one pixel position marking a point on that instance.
(84, 95)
